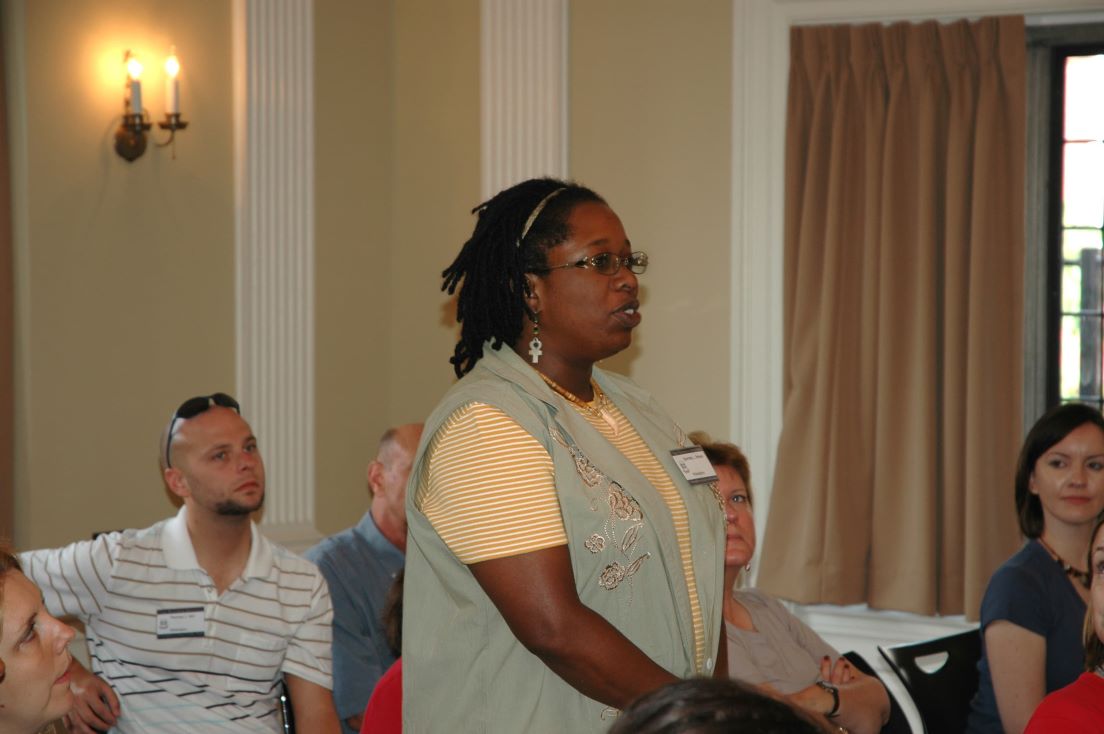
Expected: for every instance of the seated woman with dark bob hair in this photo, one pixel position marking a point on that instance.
(1032, 611)
(34, 687)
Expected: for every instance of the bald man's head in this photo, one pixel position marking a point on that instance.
(387, 478)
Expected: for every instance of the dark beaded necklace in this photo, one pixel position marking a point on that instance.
(1083, 577)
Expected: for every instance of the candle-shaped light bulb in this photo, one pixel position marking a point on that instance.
(172, 84)
(134, 71)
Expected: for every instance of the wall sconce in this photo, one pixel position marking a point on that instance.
(130, 138)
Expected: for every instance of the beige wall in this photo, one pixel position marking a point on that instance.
(125, 286)
(650, 103)
(436, 186)
(124, 270)
(354, 164)
(397, 144)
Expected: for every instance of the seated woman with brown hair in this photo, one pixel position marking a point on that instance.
(769, 647)
(1033, 608)
(34, 689)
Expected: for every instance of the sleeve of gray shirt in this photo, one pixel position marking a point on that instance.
(357, 662)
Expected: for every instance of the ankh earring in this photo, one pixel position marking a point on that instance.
(535, 345)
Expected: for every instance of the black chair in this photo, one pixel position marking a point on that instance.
(943, 695)
(898, 722)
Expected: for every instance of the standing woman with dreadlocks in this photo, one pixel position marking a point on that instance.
(559, 562)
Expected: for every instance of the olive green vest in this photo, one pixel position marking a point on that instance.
(463, 670)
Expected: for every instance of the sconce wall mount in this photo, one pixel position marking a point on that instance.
(130, 137)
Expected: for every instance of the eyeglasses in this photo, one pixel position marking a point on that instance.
(606, 263)
(192, 407)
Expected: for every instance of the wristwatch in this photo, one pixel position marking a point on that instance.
(835, 697)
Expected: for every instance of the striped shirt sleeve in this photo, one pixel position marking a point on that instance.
(74, 578)
(489, 487)
(310, 649)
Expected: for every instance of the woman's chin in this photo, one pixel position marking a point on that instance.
(736, 563)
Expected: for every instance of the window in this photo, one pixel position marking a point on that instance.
(1075, 226)
(1077, 223)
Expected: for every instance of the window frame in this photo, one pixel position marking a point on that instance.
(1043, 225)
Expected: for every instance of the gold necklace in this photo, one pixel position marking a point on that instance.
(598, 408)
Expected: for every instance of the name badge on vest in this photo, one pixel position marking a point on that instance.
(694, 465)
(186, 622)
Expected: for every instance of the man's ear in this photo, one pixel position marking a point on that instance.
(375, 477)
(177, 484)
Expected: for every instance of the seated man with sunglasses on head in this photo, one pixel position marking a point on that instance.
(193, 622)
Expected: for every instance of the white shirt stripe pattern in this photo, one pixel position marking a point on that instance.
(275, 619)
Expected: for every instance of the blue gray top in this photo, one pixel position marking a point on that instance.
(359, 565)
(1032, 591)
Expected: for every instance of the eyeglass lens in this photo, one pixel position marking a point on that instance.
(607, 263)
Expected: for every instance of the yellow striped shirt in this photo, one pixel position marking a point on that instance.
(489, 490)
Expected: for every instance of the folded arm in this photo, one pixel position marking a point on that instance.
(863, 701)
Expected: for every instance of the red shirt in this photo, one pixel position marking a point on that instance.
(1078, 708)
(383, 714)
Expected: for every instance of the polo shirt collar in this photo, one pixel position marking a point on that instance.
(180, 555)
(368, 530)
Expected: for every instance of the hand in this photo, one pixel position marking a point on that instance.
(838, 673)
(95, 705)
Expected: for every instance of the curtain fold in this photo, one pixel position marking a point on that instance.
(7, 327)
(903, 307)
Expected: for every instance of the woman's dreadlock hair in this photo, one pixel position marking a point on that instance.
(493, 263)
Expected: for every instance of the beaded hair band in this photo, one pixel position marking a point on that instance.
(536, 213)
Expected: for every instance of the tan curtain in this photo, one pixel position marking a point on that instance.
(7, 338)
(904, 236)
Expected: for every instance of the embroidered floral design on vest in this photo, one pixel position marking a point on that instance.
(613, 574)
(624, 518)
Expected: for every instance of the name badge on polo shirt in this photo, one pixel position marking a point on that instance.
(694, 465)
(185, 622)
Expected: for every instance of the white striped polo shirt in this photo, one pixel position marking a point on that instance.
(275, 619)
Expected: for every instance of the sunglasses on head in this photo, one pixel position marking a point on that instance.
(192, 407)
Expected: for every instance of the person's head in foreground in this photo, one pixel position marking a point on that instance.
(710, 706)
(34, 689)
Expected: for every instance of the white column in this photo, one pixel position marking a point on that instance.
(524, 91)
(274, 235)
(758, 151)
